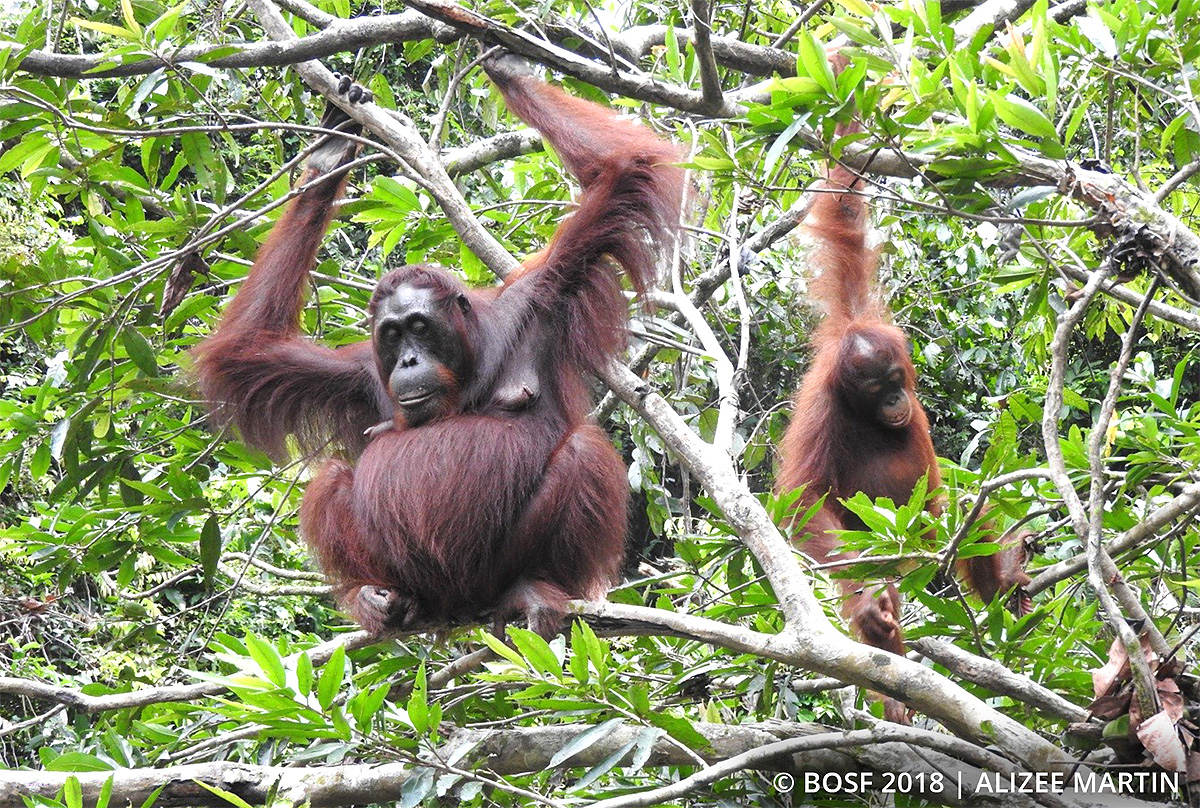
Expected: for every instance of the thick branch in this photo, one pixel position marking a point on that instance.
(730, 52)
(346, 36)
(990, 15)
(998, 679)
(340, 37)
(771, 746)
(1123, 293)
(1124, 211)
(710, 80)
(316, 786)
(640, 86)
(503, 146)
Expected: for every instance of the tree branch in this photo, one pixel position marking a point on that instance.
(464, 160)
(772, 746)
(710, 80)
(1123, 212)
(643, 87)
(340, 37)
(809, 641)
(1141, 533)
(997, 678)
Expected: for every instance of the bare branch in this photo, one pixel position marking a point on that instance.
(484, 152)
(710, 80)
(1129, 297)
(774, 746)
(644, 87)
(340, 37)
(998, 679)
(279, 572)
(798, 23)
(348, 35)
(9, 728)
(639, 41)
(809, 641)
(882, 732)
(707, 284)
(1178, 178)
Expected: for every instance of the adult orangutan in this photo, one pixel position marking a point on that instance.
(857, 424)
(479, 485)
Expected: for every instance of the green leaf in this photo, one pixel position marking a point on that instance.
(105, 793)
(228, 796)
(105, 28)
(18, 153)
(40, 463)
(304, 674)
(153, 798)
(801, 86)
(38, 158)
(267, 659)
(536, 650)
(1020, 114)
(858, 7)
(210, 548)
(502, 650)
(73, 792)
(579, 655)
(645, 747)
(331, 677)
(596, 650)
(139, 350)
(1026, 76)
(603, 767)
(781, 143)
(678, 728)
(149, 489)
(128, 481)
(366, 703)
(1097, 32)
(130, 21)
(583, 740)
(418, 707)
(671, 52)
(815, 63)
(164, 26)
(78, 762)
(416, 788)
(1073, 399)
